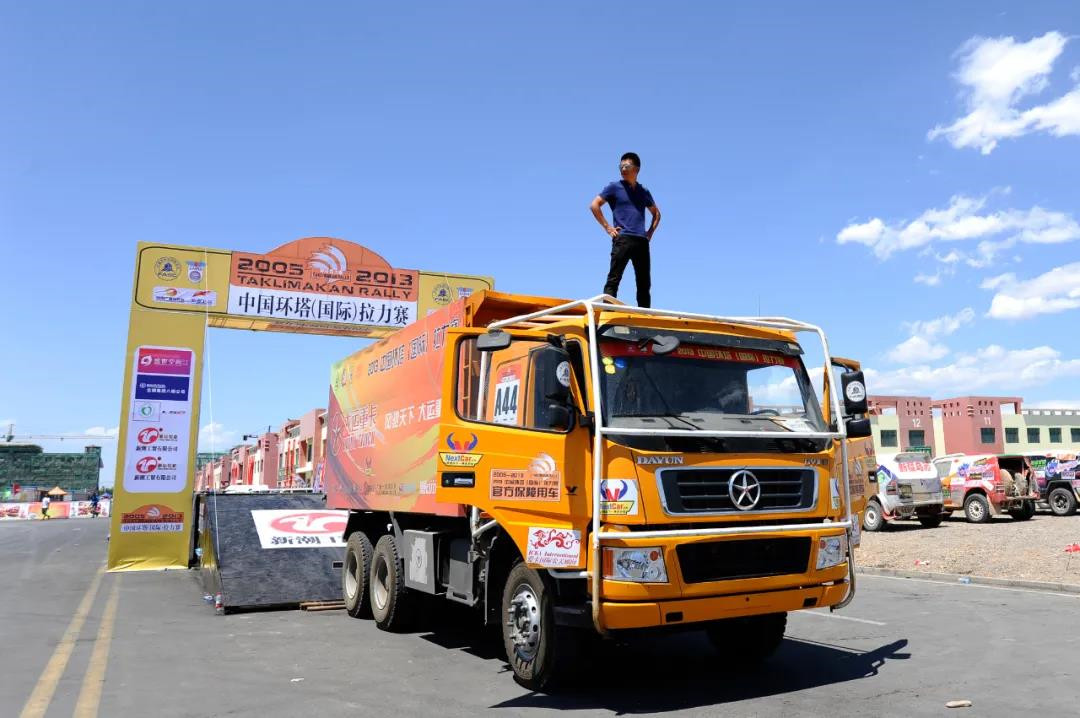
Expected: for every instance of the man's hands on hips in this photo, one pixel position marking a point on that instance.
(613, 232)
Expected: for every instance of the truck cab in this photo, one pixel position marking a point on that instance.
(907, 487)
(985, 485)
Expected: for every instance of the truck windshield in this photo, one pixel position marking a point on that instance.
(703, 387)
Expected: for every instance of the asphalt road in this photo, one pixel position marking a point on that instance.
(903, 648)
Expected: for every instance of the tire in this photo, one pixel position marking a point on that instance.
(541, 654)
(1062, 502)
(873, 520)
(746, 642)
(392, 604)
(977, 509)
(931, 521)
(354, 575)
(1024, 512)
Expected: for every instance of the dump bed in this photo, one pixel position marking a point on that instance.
(383, 421)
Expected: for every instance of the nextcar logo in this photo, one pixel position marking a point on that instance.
(664, 460)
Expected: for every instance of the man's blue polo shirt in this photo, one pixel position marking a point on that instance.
(628, 205)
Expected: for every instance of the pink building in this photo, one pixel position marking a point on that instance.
(265, 466)
(301, 446)
(915, 420)
(972, 424)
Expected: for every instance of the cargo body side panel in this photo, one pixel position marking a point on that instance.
(383, 421)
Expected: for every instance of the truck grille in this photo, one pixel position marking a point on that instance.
(705, 491)
(749, 558)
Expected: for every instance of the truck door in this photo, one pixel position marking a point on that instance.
(532, 457)
(862, 461)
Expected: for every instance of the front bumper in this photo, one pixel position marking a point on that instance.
(647, 614)
(701, 598)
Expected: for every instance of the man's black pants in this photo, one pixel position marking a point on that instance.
(628, 248)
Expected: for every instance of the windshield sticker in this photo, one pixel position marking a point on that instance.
(619, 497)
(694, 351)
(793, 424)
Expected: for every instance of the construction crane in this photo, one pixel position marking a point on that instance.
(10, 436)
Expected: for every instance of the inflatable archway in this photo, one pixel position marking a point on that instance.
(316, 285)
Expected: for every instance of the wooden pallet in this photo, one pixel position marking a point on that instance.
(322, 605)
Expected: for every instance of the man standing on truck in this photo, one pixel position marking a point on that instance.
(629, 238)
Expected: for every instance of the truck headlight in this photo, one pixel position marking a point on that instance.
(641, 565)
(832, 551)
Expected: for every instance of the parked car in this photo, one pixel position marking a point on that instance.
(1056, 477)
(907, 487)
(984, 485)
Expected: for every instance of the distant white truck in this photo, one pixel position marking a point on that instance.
(907, 487)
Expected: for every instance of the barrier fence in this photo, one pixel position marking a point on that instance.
(29, 510)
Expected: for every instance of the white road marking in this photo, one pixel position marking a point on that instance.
(837, 615)
(972, 585)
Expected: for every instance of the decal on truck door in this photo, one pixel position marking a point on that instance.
(507, 392)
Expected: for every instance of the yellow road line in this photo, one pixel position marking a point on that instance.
(39, 700)
(90, 694)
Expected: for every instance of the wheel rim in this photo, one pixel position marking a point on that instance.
(871, 517)
(1060, 502)
(976, 510)
(380, 587)
(352, 575)
(523, 620)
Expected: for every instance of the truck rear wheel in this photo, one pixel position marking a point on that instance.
(540, 653)
(392, 604)
(748, 640)
(977, 509)
(354, 575)
(873, 520)
(1062, 502)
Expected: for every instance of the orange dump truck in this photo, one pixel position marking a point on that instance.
(583, 467)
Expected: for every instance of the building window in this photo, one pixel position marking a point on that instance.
(1055, 435)
(1033, 435)
(1012, 436)
(916, 437)
(888, 437)
(1074, 436)
(987, 435)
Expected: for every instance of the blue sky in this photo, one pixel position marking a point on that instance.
(792, 149)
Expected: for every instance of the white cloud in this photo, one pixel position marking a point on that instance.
(916, 349)
(103, 432)
(942, 326)
(1053, 404)
(996, 73)
(1055, 291)
(991, 369)
(930, 280)
(215, 437)
(964, 219)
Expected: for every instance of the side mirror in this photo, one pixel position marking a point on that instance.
(854, 388)
(560, 417)
(858, 428)
(494, 340)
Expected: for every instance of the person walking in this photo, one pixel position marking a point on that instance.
(45, 501)
(630, 239)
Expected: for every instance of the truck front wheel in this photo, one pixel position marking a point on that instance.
(977, 509)
(1062, 502)
(540, 653)
(748, 640)
(392, 604)
(354, 575)
(931, 521)
(873, 520)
